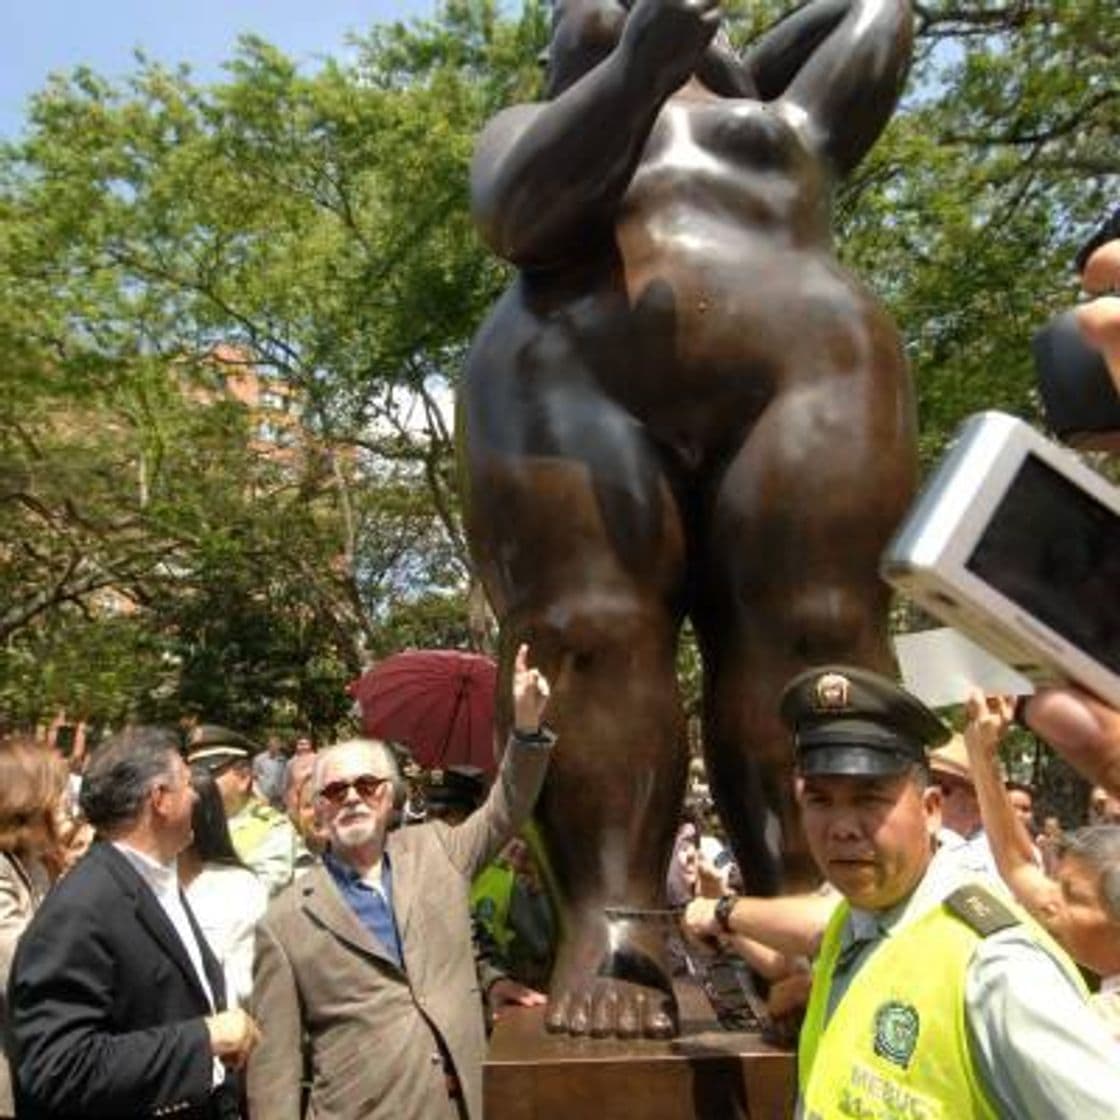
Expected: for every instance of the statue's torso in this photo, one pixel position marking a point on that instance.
(715, 286)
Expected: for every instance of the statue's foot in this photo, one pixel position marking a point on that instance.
(612, 981)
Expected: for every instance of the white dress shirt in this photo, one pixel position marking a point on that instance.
(163, 881)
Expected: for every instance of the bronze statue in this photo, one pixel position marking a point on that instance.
(682, 406)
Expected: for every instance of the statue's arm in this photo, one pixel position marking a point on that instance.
(774, 59)
(847, 88)
(545, 175)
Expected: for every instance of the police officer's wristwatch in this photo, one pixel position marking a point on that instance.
(723, 910)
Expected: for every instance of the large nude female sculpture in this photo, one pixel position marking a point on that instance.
(682, 406)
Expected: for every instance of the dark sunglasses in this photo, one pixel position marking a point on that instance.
(365, 786)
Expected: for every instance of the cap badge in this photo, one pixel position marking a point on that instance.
(896, 1032)
(833, 692)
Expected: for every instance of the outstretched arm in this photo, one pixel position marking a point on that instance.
(788, 924)
(544, 175)
(472, 844)
(1082, 729)
(846, 89)
(988, 719)
(775, 57)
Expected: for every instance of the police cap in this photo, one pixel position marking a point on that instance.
(851, 721)
(213, 747)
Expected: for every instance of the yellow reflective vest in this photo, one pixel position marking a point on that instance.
(896, 1045)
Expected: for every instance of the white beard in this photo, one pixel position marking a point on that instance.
(358, 831)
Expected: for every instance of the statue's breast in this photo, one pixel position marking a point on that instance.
(736, 163)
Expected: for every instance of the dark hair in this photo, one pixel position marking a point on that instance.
(1013, 786)
(122, 772)
(212, 842)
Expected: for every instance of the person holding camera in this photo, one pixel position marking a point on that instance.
(1081, 728)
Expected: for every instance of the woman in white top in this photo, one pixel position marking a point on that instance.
(226, 898)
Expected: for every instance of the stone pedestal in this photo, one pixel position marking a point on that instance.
(705, 1074)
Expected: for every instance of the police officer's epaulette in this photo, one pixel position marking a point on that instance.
(980, 910)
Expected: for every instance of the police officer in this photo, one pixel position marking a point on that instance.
(931, 996)
(262, 836)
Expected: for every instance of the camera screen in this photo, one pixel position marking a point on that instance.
(1055, 551)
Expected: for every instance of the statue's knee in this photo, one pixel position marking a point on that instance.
(829, 624)
(591, 626)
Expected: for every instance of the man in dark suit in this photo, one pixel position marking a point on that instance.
(116, 1004)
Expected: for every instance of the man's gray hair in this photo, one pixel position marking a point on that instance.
(122, 772)
(1098, 845)
(386, 765)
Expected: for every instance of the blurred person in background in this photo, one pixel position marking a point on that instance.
(682, 882)
(1103, 807)
(303, 754)
(32, 784)
(227, 899)
(1021, 797)
(1047, 842)
(299, 801)
(269, 768)
(262, 836)
(962, 826)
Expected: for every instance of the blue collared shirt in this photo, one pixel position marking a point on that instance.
(372, 903)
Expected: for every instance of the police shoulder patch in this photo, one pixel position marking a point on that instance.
(979, 909)
(896, 1032)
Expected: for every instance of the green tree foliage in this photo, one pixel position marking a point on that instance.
(317, 226)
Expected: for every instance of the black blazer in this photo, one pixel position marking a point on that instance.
(105, 1010)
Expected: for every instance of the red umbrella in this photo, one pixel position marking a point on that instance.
(439, 703)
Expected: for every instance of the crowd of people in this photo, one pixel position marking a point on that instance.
(154, 976)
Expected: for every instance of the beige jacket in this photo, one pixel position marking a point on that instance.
(376, 1033)
(22, 886)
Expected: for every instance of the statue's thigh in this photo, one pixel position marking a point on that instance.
(804, 509)
(574, 512)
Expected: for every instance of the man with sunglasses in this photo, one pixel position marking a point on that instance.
(369, 956)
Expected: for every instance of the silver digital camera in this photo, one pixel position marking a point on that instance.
(1016, 543)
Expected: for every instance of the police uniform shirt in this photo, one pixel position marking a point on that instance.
(1039, 1049)
(266, 842)
(973, 856)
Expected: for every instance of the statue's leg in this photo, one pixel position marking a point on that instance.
(790, 579)
(577, 536)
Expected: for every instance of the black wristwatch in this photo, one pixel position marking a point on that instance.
(543, 737)
(723, 910)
